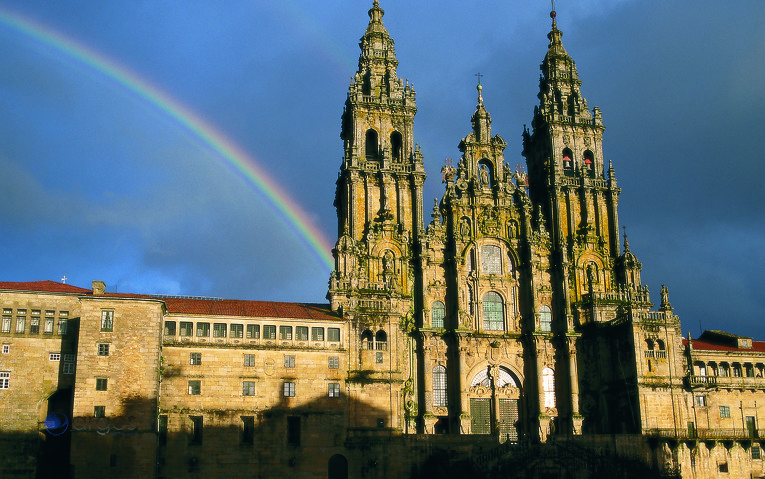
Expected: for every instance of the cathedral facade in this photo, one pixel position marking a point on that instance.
(507, 335)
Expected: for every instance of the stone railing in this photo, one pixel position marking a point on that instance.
(727, 382)
(720, 434)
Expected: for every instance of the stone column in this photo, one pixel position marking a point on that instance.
(464, 385)
(429, 419)
(576, 418)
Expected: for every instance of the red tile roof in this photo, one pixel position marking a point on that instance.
(757, 346)
(42, 286)
(263, 309)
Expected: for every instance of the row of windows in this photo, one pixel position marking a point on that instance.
(252, 331)
(247, 431)
(35, 320)
(725, 369)
(248, 388)
(493, 314)
(333, 362)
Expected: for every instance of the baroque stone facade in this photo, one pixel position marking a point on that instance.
(510, 336)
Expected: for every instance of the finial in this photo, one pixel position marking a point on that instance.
(479, 87)
(552, 12)
(376, 13)
(626, 244)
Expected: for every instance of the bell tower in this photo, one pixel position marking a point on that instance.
(567, 180)
(379, 220)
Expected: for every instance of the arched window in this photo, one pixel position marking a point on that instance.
(396, 145)
(337, 468)
(381, 340)
(367, 339)
(491, 259)
(649, 344)
(545, 318)
(439, 386)
(589, 159)
(493, 312)
(371, 144)
(724, 370)
(660, 343)
(438, 314)
(548, 385)
(568, 159)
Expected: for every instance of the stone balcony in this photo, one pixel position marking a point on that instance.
(725, 382)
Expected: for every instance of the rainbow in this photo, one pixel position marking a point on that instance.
(295, 218)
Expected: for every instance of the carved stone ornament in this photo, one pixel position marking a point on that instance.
(490, 222)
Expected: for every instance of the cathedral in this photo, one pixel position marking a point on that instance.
(506, 334)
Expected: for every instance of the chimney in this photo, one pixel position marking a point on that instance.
(99, 287)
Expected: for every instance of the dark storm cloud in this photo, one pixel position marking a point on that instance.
(98, 185)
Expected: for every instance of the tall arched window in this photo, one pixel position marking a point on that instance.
(548, 385)
(568, 160)
(438, 314)
(545, 318)
(491, 259)
(396, 145)
(367, 339)
(439, 386)
(371, 144)
(493, 312)
(381, 340)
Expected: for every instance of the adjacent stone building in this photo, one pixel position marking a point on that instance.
(510, 336)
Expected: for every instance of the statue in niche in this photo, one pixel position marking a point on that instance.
(483, 174)
(465, 229)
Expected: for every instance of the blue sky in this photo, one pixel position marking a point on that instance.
(96, 184)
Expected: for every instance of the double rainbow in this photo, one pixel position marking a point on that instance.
(231, 154)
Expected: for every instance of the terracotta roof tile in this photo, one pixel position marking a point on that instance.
(757, 346)
(42, 286)
(264, 309)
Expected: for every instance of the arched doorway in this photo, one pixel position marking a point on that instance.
(494, 395)
(337, 468)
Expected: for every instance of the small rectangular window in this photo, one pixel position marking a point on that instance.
(333, 334)
(237, 330)
(196, 430)
(723, 467)
(334, 390)
(289, 389)
(170, 328)
(269, 331)
(219, 330)
(103, 349)
(379, 358)
(54, 356)
(248, 388)
(187, 328)
(285, 332)
(195, 388)
(248, 429)
(293, 430)
(101, 384)
(21, 324)
(253, 331)
(5, 380)
(107, 320)
(289, 361)
(195, 359)
(63, 325)
(70, 357)
(6, 348)
(99, 411)
(6, 324)
(68, 368)
(334, 362)
(701, 401)
(317, 334)
(34, 325)
(301, 333)
(756, 452)
(203, 330)
(249, 360)
(724, 411)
